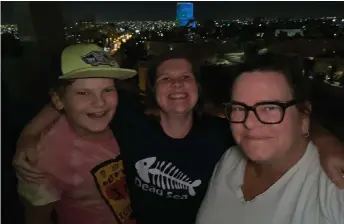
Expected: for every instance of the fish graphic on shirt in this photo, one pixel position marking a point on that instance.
(166, 177)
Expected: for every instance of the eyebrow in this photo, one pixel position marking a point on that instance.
(263, 101)
(167, 73)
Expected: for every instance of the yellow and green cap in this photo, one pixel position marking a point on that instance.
(91, 61)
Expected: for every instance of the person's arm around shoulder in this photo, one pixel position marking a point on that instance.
(27, 144)
(331, 151)
(38, 125)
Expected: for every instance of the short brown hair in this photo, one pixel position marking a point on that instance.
(290, 70)
(60, 87)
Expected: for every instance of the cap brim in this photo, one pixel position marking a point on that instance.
(114, 73)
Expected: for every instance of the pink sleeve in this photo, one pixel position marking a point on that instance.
(48, 189)
(44, 190)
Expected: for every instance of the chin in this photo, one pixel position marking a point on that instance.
(184, 108)
(96, 130)
(181, 111)
(257, 153)
(258, 157)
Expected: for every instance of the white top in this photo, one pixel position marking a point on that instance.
(304, 195)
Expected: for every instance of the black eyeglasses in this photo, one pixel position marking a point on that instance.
(267, 112)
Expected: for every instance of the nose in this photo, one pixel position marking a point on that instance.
(176, 83)
(98, 101)
(251, 120)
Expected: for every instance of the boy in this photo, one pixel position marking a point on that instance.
(85, 182)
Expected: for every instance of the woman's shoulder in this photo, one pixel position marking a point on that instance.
(231, 155)
(230, 162)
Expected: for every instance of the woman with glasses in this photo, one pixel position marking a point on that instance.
(273, 175)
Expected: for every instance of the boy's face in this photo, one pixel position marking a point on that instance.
(89, 104)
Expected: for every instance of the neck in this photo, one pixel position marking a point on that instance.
(176, 126)
(279, 166)
(94, 136)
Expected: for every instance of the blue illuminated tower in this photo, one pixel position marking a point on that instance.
(185, 13)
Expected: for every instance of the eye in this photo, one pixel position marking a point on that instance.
(238, 108)
(82, 93)
(164, 79)
(271, 107)
(107, 90)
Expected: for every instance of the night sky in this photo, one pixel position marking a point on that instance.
(112, 11)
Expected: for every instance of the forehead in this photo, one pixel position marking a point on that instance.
(252, 87)
(174, 66)
(92, 83)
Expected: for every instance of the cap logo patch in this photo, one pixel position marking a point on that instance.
(96, 58)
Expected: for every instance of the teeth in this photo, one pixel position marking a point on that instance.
(98, 114)
(178, 95)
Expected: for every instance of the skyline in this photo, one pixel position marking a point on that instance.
(112, 11)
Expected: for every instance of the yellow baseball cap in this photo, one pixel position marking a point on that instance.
(91, 61)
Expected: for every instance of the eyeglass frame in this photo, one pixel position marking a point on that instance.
(284, 105)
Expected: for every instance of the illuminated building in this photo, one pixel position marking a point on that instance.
(185, 13)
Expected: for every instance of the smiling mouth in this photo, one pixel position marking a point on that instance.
(97, 114)
(178, 96)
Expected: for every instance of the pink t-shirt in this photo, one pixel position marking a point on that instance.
(85, 178)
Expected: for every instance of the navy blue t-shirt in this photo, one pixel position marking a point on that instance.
(167, 178)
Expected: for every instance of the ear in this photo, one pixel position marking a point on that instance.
(57, 102)
(305, 118)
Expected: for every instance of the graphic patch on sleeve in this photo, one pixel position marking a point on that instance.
(110, 179)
